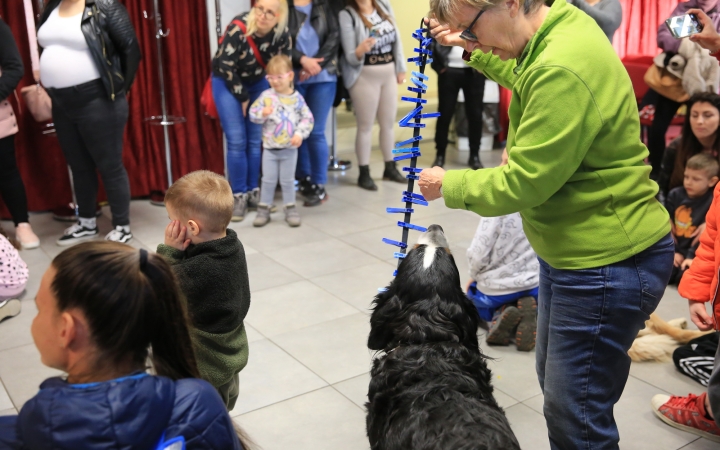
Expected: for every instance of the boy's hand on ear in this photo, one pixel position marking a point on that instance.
(176, 236)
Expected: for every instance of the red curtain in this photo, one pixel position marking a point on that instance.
(196, 144)
(637, 34)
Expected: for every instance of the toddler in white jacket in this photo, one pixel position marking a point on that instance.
(505, 278)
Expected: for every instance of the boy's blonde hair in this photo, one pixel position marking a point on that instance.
(203, 195)
(279, 64)
(703, 161)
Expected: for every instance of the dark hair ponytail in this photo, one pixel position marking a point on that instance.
(132, 303)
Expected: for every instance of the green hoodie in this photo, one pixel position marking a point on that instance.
(575, 170)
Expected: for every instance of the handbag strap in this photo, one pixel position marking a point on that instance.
(253, 47)
(32, 39)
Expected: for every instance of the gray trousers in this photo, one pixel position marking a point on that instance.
(278, 165)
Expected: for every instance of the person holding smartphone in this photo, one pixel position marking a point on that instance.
(708, 38)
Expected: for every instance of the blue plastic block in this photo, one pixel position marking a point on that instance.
(412, 226)
(407, 156)
(395, 243)
(413, 125)
(416, 90)
(408, 141)
(412, 169)
(399, 255)
(411, 115)
(429, 115)
(415, 59)
(413, 100)
(406, 150)
(418, 83)
(422, 76)
(413, 195)
(400, 210)
(414, 200)
(412, 177)
(423, 51)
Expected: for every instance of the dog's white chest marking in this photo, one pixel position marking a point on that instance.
(429, 256)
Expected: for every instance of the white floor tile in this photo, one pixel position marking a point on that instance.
(355, 389)
(320, 258)
(357, 286)
(529, 427)
(22, 372)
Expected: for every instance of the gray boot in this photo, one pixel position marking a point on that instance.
(253, 199)
(263, 215)
(292, 217)
(240, 207)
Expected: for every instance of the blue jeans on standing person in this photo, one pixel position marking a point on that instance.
(243, 137)
(313, 154)
(587, 321)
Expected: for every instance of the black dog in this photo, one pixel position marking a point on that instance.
(431, 389)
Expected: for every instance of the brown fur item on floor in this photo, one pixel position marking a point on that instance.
(659, 339)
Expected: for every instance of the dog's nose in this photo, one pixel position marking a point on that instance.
(436, 227)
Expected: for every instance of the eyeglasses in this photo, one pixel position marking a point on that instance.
(277, 77)
(467, 34)
(267, 13)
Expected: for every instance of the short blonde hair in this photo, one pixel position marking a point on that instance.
(705, 162)
(445, 11)
(279, 64)
(202, 195)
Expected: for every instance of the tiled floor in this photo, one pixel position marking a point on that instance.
(305, 385)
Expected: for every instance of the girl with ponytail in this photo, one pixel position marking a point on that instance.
(108, 313)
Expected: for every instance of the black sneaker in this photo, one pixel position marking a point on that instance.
(76, 233)
(119, 235)
(317, 198)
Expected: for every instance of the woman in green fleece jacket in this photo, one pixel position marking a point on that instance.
(576, 174)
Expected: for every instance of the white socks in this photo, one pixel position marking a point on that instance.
(88, 223)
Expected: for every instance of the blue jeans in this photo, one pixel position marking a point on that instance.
(243, 137)
(587, 321)
(313, 153)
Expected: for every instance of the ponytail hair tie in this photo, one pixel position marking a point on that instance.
(143, 259)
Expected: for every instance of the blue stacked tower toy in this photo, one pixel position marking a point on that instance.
(409, 149)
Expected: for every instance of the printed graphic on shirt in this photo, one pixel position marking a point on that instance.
(385, 36)
(290, 115)
(683, 222)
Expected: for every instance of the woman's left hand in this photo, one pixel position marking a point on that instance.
(401, 77)
(431, 182)
(311, 65)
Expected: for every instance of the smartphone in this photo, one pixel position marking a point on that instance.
(684, 26)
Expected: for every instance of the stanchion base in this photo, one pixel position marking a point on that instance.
(164, 120)
(157, 198)
(339, 165)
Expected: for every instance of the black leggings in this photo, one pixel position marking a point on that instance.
(90, 130)
(12, 188)
(665, 110)
(449, 84)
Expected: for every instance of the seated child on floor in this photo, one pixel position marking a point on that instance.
(688, 204)
(13, 277)
(287, 121)
(209, 262)
(505, 277)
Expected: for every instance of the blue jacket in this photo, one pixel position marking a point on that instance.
(128, 413)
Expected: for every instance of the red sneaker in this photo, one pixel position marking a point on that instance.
(687, 414)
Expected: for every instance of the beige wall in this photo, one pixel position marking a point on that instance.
(408, 14)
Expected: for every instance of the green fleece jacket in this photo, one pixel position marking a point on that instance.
(213, 277)
(575, 170)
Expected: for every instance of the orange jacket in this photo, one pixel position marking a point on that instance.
(700, 282)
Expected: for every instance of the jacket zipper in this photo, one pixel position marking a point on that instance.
(102, 40)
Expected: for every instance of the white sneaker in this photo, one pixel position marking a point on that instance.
(76, 233)
(24, 234)
(9, 308)
(119, 235)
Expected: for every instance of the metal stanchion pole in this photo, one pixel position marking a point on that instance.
(163, 120)
(335, 164)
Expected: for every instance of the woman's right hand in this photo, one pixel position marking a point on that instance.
(443, 34)
(699, 316)
(708, 38)
(364, 47)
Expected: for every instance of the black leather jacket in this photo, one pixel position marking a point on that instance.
(325, 23)
(112, 41)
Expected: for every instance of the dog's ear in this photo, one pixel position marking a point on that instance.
(387, 308)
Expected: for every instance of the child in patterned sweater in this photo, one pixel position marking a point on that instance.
(13, 277)
(287, 121)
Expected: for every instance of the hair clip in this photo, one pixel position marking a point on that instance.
(409, 141)
(412, 177)
(399, 255)
(406, 150)
(428, 61)
(395, 243)
(400, 210)
(412, 226)
(414, 200)
(412, 169)
(422, 76)
(418, 83)
(413, 100)
(413, 195)
(415, 59)
(423, 51)
(429, 115)
(416, 90)
(407, 156)
(382, 290)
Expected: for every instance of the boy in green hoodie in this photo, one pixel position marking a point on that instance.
(209, 262)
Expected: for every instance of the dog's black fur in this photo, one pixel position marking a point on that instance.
(431, 389)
